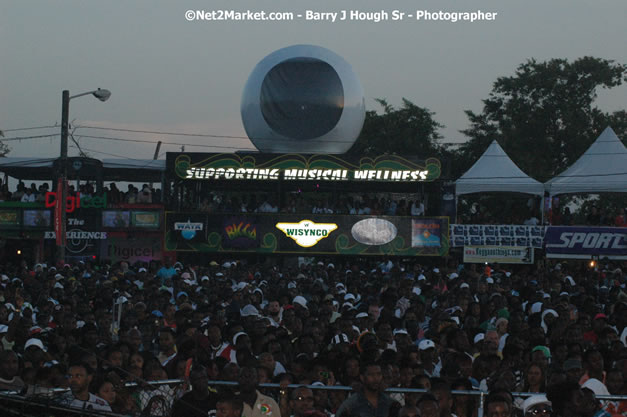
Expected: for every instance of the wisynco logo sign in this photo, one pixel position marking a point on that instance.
(73, 203)
(306, 233)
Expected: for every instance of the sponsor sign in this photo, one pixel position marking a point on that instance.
(78, 241)
(586, 242)
(37, 218)
(498, 254)
(131, 250)
(306, 174)
(73, 203)
(296, 167)
(9, 218)
(189, 228)
(59, 206)
(116, 219)
(145, 219)
(306, 233)
(496, 235)
(267, 233)
(427, 232)
(374, 231)
(240, 233)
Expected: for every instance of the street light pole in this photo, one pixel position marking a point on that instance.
(102, 95)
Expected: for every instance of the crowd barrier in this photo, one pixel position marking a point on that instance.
(158, 401)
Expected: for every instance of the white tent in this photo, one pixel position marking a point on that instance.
(495, 172)
(602, 168)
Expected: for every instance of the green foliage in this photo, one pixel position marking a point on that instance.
(4, 148)
(410, 130)
(544, 116)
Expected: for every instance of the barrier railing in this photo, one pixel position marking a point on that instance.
(156, 397)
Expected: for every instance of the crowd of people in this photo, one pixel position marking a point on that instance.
(557, 331)
(309, 203)
(37, 194)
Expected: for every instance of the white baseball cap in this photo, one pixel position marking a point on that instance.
(34, 342)
(426, 344)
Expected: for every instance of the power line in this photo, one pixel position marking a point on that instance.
(28, 128)
(165, 143)
(106, 153)
(203, 135)
(28, 137)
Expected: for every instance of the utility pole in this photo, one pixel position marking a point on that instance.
(62, 193)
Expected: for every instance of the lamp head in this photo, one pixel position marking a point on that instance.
(102, 95)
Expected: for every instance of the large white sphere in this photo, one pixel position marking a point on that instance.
(303, 99)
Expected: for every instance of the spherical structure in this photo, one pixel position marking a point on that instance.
(303, 99)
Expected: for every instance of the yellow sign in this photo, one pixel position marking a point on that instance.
(306, 233)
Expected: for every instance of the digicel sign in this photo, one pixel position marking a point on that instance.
(73, 203)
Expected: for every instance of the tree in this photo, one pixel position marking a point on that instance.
(410, 130)
(544, 116)
(4, 148)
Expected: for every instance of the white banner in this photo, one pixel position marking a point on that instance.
(498, 254)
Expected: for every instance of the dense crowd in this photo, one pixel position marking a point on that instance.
(558, 330)
(309, 203)
(37, 194)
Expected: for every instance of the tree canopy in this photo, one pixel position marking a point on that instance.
(410, 130)
(544, 116)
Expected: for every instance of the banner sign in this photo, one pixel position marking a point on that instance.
(427, 232)
(145, 219)
(9, 218)
(498, 254)
(239, 233)
(59, 206)
(37, 218)
(79, 242)
(131, 250)
(304, 234)
(496, 235)
(295, 167)
(116, 219)
(586, 242)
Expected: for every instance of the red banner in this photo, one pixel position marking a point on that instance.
(58, 214)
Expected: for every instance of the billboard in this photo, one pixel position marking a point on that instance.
(116, 219)
(37, 218)
(496, 235)
(297, 167)
(498, 254)
(427, 233)
(145, 219)
(586, 242)
(9, 218)
(301, 234)
(121, 248)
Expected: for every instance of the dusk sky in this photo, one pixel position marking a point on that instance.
(168, 74)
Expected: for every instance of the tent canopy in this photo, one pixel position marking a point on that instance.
(495, 172)
(602, 168)
(42, 169)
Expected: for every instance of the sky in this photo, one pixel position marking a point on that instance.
(168, 74)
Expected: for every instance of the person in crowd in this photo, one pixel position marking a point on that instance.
(10, 372)
(255, 404)
(537, 406)
(428, 406)
(370, 401)
(302, 402)
(497, 406)
(228, 405)
(199, 402)
(80, 376)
